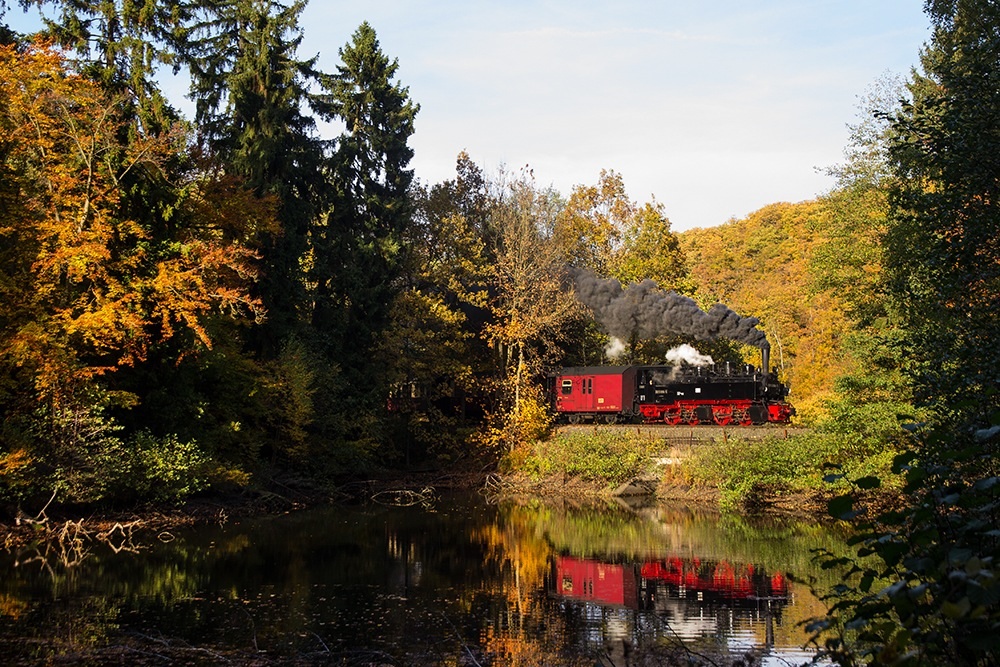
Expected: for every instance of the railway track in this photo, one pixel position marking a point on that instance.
(677, 435)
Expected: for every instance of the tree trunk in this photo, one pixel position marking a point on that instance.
(518, 379)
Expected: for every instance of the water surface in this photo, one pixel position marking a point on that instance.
(456, 581)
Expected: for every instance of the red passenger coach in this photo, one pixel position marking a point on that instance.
(601, 393)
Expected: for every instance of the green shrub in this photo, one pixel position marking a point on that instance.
(921, 586)
(151, 469)
(748, 472)
(77, 446)
(609, 456)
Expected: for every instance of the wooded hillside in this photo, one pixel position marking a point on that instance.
(764, 266)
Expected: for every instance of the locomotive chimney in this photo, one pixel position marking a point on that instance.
(765, 359)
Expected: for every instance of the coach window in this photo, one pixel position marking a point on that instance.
(567, 386)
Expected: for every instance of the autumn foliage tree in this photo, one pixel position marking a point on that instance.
(532, 302)
(97, 289)
(651, 250)
(589, 229)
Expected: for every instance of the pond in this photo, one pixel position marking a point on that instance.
(454, 580)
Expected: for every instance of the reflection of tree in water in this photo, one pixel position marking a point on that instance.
(65, 555)
(520, 631)
(67, 594)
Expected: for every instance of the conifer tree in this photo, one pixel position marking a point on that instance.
(359, 245)
(252, 96)
(122, 43)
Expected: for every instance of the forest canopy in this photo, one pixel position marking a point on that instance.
(238, 285)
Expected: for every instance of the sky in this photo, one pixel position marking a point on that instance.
(713, 109)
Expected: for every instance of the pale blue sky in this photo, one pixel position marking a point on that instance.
(713, 108)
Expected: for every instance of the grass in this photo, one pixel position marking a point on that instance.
(607, 456)
(749, 474)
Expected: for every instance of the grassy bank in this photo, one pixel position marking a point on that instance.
(752, 472)
(603, 457)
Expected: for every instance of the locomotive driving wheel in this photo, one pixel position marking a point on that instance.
(672, 417)
(742, 417)
(722, 414)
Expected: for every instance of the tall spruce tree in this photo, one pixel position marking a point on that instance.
(359, 244)
(122, 43)
(252, 95)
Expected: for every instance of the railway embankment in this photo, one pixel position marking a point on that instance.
(691, 435)
(744, 468)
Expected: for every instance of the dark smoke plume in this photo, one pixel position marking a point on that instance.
(646, 311)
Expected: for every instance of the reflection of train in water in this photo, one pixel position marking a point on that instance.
(693, 597)
(591, 580)
(626, 585)
(719, 579)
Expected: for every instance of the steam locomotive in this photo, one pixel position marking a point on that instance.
(720, 394)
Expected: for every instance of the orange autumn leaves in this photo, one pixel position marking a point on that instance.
(89, 283)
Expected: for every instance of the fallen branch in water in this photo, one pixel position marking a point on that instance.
(125, 531)
(40, 519)
(68, 544)
(405, 497)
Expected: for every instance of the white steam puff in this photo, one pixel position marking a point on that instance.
(615, 348)
(686, 353)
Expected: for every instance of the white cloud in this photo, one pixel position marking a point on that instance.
(715, 115)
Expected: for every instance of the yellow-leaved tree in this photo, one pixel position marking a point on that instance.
(760, 266)
(531, 305)
(89, 283)
(589, 229)
(650, 250)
